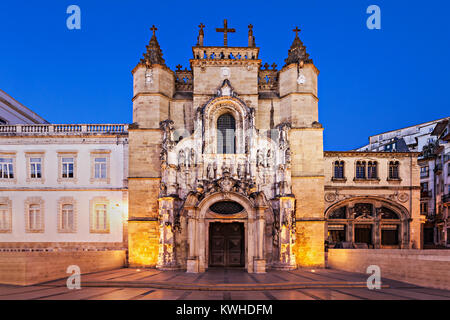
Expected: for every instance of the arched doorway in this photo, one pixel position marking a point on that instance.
(226, 239)
(226, 230)
(226, 244)
(363, 222)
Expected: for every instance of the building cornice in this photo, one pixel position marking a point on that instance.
(301, 94)
(370, 154)
(371, 187)
(150, 94)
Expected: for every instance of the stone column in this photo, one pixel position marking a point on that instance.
(166, 255)
(192, 261)
(259, 260)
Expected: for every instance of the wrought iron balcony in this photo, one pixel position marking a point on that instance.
(446, 198)
(425, 194)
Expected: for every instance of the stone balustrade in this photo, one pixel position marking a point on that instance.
(64, 128)
(234, 53)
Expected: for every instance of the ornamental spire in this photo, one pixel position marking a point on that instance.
(297, 53)
(201, 35)
(154, 52)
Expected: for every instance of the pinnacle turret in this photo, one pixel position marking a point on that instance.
(154, 52)
(297, 52)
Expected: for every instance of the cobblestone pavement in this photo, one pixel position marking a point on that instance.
(222, 284)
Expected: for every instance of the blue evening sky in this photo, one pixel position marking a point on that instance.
(370, 80)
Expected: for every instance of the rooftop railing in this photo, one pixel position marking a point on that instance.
(64, 128)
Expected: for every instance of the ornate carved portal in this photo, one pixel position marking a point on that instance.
(201, 187)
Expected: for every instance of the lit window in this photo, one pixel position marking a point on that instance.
(100, 168)
(34, 217)
(67, 167)
(35, 168)
(4, 218)
(6, 168)
(67, 217)
(100, 217)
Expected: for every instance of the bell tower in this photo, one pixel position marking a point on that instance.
(153, 88)
(299, 107)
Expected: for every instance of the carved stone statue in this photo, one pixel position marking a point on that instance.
(283, 134)
(251, 118)
(209, 172)
(167, 128)
(181, 158)
(192, 158)
(287, 155)
(269, 158)
(259, 158)
(215, 170)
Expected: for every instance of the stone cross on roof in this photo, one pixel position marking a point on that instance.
(225, 31)
(153, 28)
(296, 30)
(201, 26)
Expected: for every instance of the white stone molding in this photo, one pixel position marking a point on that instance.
(34, 201)
(35, 154)
(7, 202)
(101, 154)
(92, 214)
(61, 202)
(67, 154)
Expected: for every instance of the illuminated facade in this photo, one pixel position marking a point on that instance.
(223, 166)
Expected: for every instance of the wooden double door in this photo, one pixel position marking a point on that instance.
(226, 244)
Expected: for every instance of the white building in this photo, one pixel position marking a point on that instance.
(412, 138)
(435, 168)
(63, 186)
(13, 112)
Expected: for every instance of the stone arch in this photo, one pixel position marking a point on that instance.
(205, 203)
(199, 219)
(216, 108)
(378, 225)
(405, 215)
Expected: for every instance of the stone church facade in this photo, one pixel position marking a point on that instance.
(227, 162)
(223, 166)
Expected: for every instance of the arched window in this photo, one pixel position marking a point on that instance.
(360, 169)
(338, 213)
(372, 170)
(66, 217)
(339, 169)
(226, 207)
(226, 129)
(393, 170)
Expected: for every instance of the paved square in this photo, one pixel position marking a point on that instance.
(222, 284)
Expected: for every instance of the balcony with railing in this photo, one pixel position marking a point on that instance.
(446, 198)
(424, 194)
(32, 129)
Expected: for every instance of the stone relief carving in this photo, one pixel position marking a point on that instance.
(259, 171)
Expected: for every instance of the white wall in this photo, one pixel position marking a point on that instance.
(83, 190)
